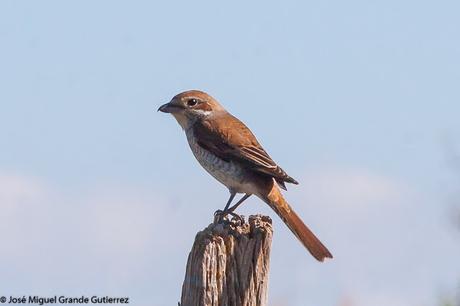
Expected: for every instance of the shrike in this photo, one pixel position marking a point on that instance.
(230, 152)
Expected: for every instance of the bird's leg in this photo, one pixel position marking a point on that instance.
(231, 209)
(232, 196)
(220, 214)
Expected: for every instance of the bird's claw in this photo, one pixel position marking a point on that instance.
(239, 218)
(219, 216)
(222, 216)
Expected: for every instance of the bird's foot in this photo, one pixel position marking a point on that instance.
(221, 216)
(238, 219)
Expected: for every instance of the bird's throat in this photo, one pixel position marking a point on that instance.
(183, 120)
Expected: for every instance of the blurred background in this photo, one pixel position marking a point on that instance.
(358, 100)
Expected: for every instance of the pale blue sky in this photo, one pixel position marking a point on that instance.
(358, 100)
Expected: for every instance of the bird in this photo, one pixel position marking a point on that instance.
(227, 149)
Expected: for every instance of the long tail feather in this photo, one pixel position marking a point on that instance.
(282, 208)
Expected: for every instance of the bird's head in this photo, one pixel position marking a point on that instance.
(192, 105)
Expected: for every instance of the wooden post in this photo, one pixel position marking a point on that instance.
(229, 264)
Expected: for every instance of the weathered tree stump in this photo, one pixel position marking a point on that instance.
(229, 264)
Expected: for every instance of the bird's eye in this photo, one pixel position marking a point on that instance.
(192, 102)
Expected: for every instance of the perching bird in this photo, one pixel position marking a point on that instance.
(228, 150)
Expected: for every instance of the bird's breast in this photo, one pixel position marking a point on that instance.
(229, 173)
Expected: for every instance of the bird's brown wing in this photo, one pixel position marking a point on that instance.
(228, 138)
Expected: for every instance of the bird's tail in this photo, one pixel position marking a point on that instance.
(275, 200)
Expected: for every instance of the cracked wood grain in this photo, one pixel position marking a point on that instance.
(229, 264)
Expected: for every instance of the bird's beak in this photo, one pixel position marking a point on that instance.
(165, 108)
(170, 108)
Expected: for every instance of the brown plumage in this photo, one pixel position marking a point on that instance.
(276, 201)
(230, 152)
(228, 138)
